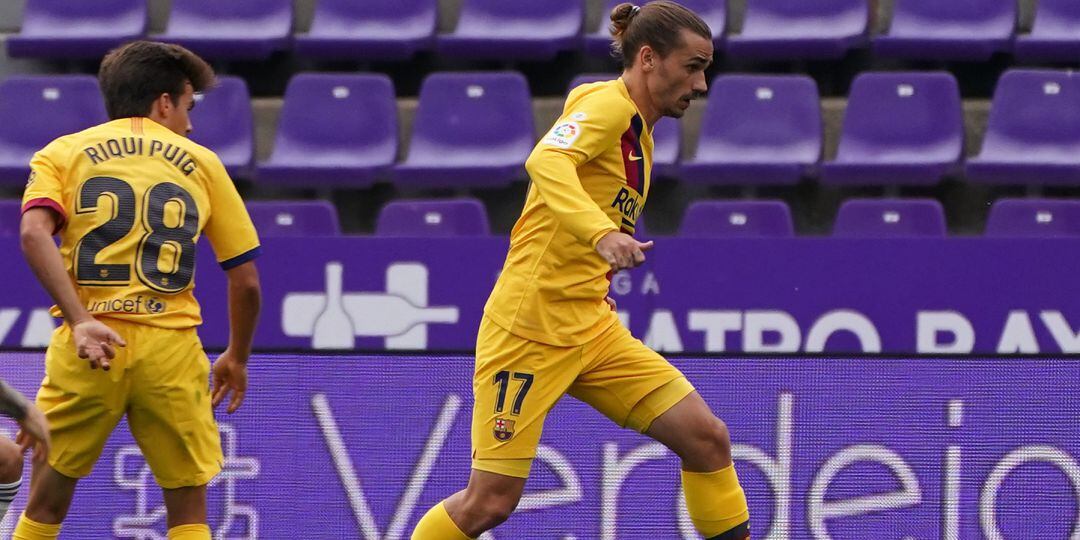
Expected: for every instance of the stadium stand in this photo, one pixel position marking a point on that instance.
(223, 122)
(496, 29)
(64, 29)
(294, 218)
(236, 29)
(453, 217)
(1055, 34)
(471, 129)
(34, 110)
(737, 219)
(1034, 218)
(899, 128)
(758, 129)
(369, 29)
(1033, 135)
(890, 218)
(936, 30)
(335, 130)
(797, 29)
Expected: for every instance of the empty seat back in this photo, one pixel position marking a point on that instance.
(1034, 218)
(737, 219)
(294, 218)
(879, 218)
(458, 217)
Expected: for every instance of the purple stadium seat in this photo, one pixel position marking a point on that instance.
(65, 29)
(948, 30)
(336, 130)
(455, 217)
(294, 218)
(498, 29)
(899, 128)
(737, 219)
(222, 122)
(758, 130)
(800, 29)
(667, 134)
(714, 12)
(230, 29)
(369, 29)
(471, 129)
(1055, 35)
(10, 217)
(34, 110)
(889, 218)
(1034, 218)
(1033, 136)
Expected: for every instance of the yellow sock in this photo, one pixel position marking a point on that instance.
(716, 504)
(28, 529)
(193, 531)
(437, 525)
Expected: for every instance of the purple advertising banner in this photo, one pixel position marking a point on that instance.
(768, 296)
(333, 447)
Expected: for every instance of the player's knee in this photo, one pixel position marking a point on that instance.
(11, 462)
(712, 442)
(490, 510)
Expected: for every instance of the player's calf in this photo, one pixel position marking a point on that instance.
(487, 502)
(11, 469)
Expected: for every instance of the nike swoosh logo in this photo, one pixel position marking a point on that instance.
(635, 158)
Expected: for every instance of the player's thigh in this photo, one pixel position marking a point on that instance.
(516, 382)
(627, 381)
(82, 405)
(170, 412)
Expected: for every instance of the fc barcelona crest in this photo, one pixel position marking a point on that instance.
(504, 429)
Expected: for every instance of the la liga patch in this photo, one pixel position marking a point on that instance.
(563, 135)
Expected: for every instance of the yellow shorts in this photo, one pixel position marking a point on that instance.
(160, 381)
(517, 381)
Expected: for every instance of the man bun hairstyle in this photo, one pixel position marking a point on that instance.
(656, 24)
(134, 75)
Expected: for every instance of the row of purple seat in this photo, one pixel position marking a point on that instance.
(382, 30)
(476, 130)
(876, 218)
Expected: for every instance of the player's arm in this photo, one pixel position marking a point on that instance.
(245, 301)
(576, 139)
(42, 218)
(35, 429)
(236, 245)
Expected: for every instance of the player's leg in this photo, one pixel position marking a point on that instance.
(488, 500)
(172, 421)
(515, 384)
(714, 499)
(82, 406)
(11, 469)
(639, 389)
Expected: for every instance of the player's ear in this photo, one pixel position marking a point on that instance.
(647, 57)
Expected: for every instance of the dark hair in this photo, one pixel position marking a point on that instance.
(656, 24)
(132, 76)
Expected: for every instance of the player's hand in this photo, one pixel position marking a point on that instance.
(622, 251)
(230, 376)
(95, 341)
(611, 303)
(34, 433)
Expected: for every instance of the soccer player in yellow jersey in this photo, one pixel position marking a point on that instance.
(129, 200)
(548, 327)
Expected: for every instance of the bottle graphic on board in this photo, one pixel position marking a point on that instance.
(333, 327)
(387, 315)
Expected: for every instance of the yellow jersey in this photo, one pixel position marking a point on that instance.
(589, 176)
(134, 197)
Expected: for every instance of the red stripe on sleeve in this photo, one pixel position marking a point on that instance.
(45, 202)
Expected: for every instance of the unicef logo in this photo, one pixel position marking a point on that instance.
(153, 305)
